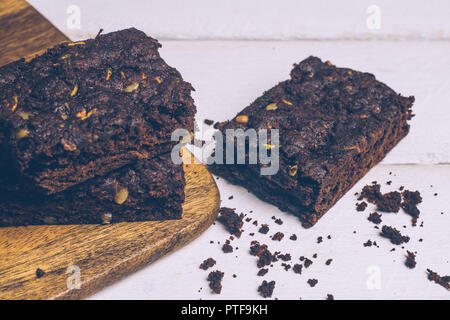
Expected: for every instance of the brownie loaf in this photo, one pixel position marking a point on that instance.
(148, 190)
(83, 109)
(334, 125)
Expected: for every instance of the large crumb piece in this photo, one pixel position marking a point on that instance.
(208, 263)
(231, 220)
(264, 255)
(410, 261)
(410, 201)
(266, 289)
(394, 235)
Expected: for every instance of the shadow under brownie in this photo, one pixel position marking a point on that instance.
(334, 125)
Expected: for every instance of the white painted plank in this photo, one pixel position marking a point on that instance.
(254, 19)
(177, 276)
(228, 75)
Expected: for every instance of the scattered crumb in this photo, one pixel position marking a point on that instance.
(442, 281)
(262, 272)
(410, 261)
(266, 289)
(279, 221)
(375, 217)
(208, 263)
(319, 239)
(208, 122)
(278, 236)
(361, 206)
(264, 255)
(368, 243)
(312, 282)
(293, 237)
(227, 248)
(284, 257)
(297, 268)
(393, 235)
(328, 262)
(330, 297)
(39, 273)
(231, 220)
(264, 229)
(307, 262)
(215, 281)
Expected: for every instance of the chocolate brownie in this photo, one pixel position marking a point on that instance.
(148, 190)
(334, 125)
(83, 109)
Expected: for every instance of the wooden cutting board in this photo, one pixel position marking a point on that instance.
(78, 260)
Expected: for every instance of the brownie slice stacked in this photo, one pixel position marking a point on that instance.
(85, 130)
(334, 125)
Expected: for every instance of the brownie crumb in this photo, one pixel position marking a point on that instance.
(279, 221)
(297, 268)
(330, 297)
(315, 255)
(307, 263)
(231, 220)
(215, 281)
(262, 272)
(319, 240)
(284, 257)
(375, 217)
(443, 281)
(328, 262)
(361, 206)
(388, 202)
(393, 235)
(208, 122)
(39, 273)
(264, 255)
(264, 229)
(286, 266)
(208, 263)
(230, 197)
(312, 282)
(227, 248)
(293, 237)
(278, 236)
(410, 201)
(410, 261)
(266, 289)
(368, 243)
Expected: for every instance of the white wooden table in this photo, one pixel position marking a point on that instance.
(231, 52)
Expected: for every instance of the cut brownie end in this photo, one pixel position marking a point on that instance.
(83, 109)
(148, 190)
(334, 125)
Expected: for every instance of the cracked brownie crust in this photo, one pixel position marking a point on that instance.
(83, 109)
(335, 124)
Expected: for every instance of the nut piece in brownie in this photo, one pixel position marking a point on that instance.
(83, 109)
(148, 190)
(334, 125)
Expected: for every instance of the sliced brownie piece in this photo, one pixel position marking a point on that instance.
(85, 108)
(152, 189)
(334, 125)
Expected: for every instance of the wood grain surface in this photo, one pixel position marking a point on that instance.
(96, 255)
